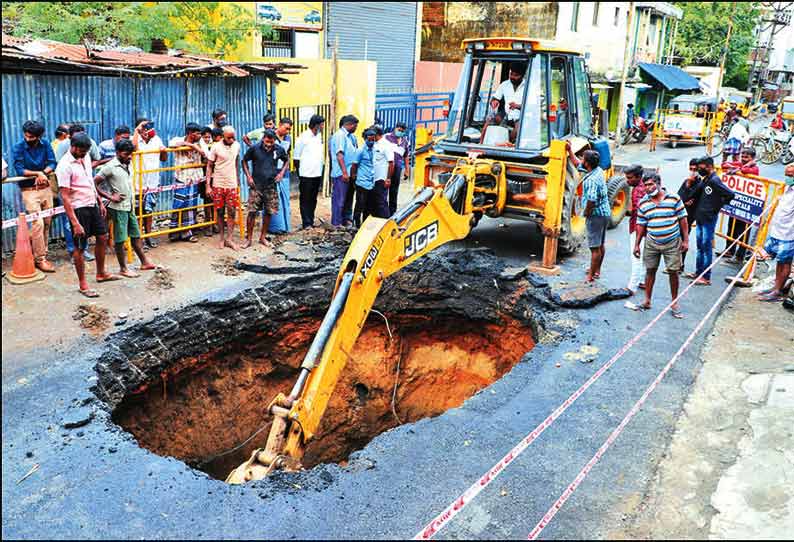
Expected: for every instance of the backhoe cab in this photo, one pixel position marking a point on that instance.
(517, 102)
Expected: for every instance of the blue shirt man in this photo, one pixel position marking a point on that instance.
(346, 143)
(343, 147)
(36, 157)
(365, 167)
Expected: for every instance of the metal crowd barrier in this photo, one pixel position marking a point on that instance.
(688, 127)
(754, 197)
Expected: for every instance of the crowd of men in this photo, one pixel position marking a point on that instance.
(662, 220)
(101, 193)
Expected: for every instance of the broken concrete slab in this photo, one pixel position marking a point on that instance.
(77, 417)
(581, 295)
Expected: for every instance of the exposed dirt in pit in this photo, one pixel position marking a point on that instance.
(215, 402)
(92, 317)
(196, 382)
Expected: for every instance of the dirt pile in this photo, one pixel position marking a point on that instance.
(226, 265)
(162, 279)
(92, 317)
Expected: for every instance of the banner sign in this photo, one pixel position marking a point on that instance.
(683, 125)
(748, 202)
(307, 15)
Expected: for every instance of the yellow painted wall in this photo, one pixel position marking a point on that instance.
(356, 83)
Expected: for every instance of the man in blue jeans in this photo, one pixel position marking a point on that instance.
(344, 148)
(712, 195)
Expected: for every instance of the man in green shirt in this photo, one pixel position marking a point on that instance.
(115, 177)
(255, 136)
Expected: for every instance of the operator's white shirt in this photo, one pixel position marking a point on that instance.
(510, 94)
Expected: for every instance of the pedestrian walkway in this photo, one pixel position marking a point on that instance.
(728, 470)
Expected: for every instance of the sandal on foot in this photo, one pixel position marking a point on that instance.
(129, 273)
(89, 293)
(107, 278)
(677, 313)
(772, 297)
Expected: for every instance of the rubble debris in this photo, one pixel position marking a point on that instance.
(92, 317)
(162, 279)
(226, 265)
(581, 295)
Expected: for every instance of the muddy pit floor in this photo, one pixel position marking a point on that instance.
(196, 383)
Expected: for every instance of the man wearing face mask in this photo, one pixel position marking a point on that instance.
(402, 156)
(662, 217)
(363, 173)
(780, 241)
(712, 195)
(219, 119)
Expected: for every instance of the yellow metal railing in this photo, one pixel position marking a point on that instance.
(751, 190)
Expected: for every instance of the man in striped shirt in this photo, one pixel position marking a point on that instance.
(661, 218)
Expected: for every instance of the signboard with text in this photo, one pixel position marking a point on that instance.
(683, 125)
(748, 202)
(306, 15)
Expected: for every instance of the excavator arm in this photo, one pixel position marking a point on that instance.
(435, 216)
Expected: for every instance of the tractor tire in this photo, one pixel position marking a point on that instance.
(573, 230)
(619, 195)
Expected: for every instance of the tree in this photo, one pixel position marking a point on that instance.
(701, 36)
(202, 27)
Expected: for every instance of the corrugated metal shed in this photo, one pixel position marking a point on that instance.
(48, 55)
(391, 43)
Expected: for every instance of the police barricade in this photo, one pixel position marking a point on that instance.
(180, 201)
(688, 127)
(746, 218)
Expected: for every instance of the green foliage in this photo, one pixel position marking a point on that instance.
(702, 31)
(201, 27)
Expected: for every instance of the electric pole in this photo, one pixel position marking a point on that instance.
(626, 61)
(724, 55)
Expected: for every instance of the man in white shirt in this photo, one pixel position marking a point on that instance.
(309, 161)
(382, 167)
(145, 139)
(512, 92)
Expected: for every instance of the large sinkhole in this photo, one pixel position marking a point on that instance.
(196, 382)
(206, 405)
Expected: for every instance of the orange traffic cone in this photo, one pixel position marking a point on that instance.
(23, 269)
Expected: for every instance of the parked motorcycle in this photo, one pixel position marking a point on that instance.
(638, 131)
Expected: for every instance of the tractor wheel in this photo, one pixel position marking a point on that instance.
(619, 195)
(572, 222)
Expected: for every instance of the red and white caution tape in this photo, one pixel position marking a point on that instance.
(453, 509)
(633, 412)
(12, 222)
(171, 187)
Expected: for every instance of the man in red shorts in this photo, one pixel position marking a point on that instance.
(223, 166)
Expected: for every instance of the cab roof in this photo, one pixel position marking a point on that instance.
(505, 43)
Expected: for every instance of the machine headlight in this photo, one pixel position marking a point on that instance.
(496, 168)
